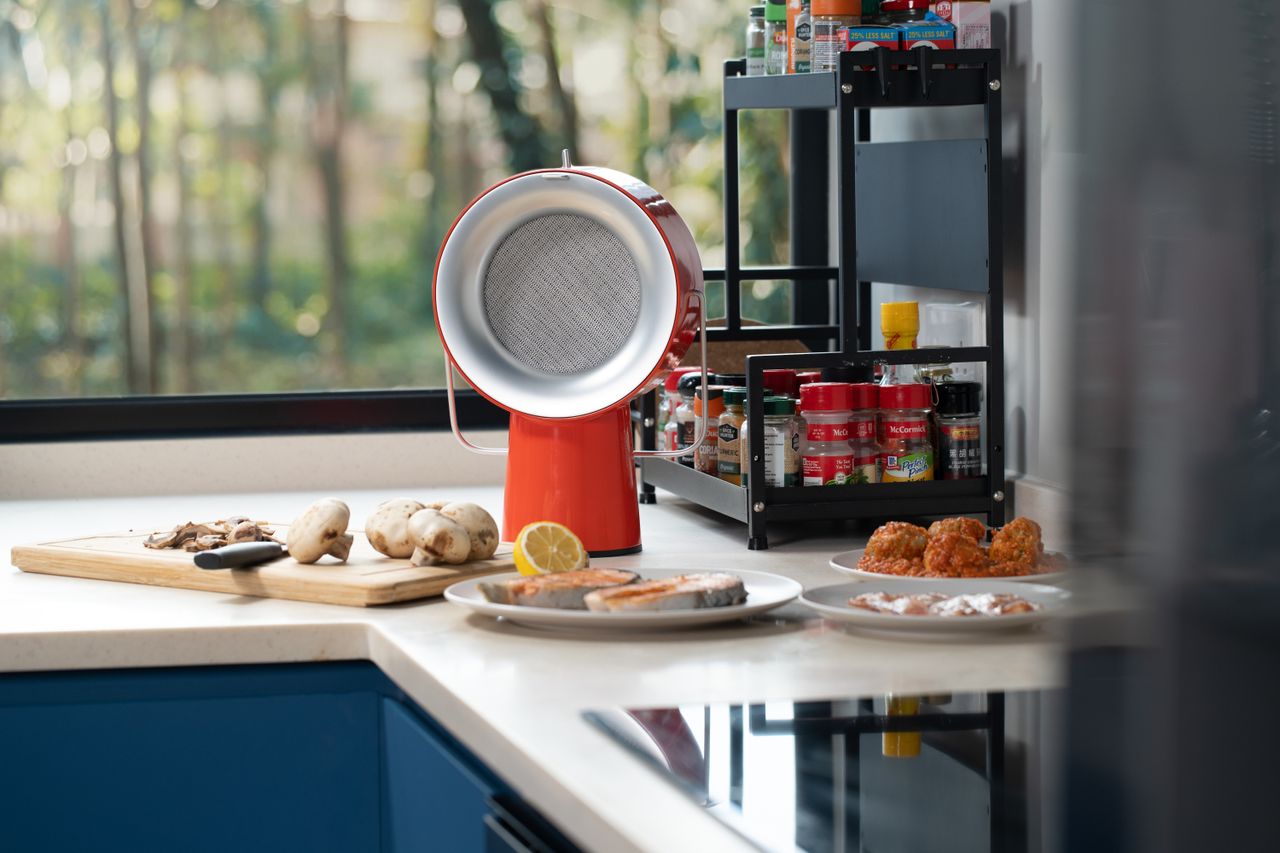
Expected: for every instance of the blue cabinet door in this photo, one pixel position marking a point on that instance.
(263, 773)
(432, 801)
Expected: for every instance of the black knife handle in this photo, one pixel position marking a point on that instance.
(239, 555)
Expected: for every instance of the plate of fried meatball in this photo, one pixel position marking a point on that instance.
(954, 548)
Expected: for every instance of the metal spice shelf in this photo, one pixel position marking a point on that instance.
(956, 181)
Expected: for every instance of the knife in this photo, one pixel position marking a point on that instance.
(239, 556)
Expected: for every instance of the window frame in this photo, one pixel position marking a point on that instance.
(219, 415)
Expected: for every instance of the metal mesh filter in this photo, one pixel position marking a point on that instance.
(562, 293)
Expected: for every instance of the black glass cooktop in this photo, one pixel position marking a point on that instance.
(944, 772)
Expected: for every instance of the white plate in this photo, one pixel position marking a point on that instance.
(847, 562)
(833, 603)
(764, 592)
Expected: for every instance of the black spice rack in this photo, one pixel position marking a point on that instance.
(892, 199)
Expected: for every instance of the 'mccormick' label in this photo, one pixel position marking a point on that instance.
(915, 428)
(863, 429)
(827, 470)
(828, 432)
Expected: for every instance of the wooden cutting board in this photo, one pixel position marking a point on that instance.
(366, 579)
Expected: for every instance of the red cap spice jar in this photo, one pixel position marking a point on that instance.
(827, 457)
(864, 402)
(785, 383)
(906, 453)
(666, 426)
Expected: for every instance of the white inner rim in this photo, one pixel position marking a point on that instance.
(460, 310)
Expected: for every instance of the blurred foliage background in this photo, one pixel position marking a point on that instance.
(248, 195)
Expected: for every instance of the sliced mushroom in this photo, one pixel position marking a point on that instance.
(438, 539)
(182, 534)
(320, 530)
(249, 531)
(388, 528)
(480, 526)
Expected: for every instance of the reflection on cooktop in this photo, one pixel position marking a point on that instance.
(955, 773)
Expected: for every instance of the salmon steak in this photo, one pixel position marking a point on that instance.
(559, 590)
(684, 592)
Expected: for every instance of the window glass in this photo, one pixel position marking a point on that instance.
(248, 195)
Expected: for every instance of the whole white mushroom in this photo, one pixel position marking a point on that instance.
(481, 527)
(437, 538)
(388, 527)
(320, 530)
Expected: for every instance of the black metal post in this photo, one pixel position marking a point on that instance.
(995, 296)
(865, 317)
(649, 439)
(846, 215)
(997, 790)
(732, 248)
(810, 220)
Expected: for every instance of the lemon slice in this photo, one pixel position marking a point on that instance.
(545, 546)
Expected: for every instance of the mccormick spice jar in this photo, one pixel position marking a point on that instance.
(864, 404)
(783, 383)
(959, 430)
(907, 454)
(704, 458)
(781, 444)
(827, 457)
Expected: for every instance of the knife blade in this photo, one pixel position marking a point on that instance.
(239, 556)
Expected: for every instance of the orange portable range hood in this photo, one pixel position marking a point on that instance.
(561, 294)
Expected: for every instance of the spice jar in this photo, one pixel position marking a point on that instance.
(830, 18)
(729, 460)
(959, 411)
(686, 428)
(775, 37)
(755, 41)
(666, 421)
(900, 325)
(903, 11)
(704, 458)
(781, 444)
(783, 383)
(827, 456)
(906, 454)
(800, 31)
(864, 403)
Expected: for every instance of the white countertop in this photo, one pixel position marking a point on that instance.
(512, 695)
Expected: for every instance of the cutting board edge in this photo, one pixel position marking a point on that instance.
(62, 561)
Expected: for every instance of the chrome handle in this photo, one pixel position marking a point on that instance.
(702, 427)
(453, 414)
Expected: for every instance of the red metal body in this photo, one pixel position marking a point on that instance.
(577, 472)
